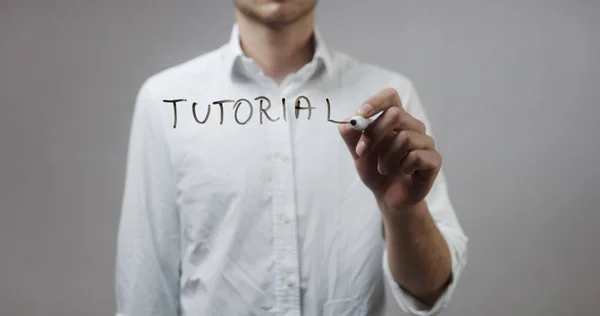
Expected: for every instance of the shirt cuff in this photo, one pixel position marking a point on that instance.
(410, 304)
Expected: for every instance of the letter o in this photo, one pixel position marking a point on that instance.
(237, 107)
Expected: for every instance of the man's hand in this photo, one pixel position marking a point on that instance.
(394, 156)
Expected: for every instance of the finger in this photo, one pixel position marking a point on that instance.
(392, 121)
(351, 137)
(383, 127)
(426, 162)
(409, 122)
(404, 142)
(379, 102)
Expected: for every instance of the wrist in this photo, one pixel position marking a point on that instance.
(403, 210)
(400, 217)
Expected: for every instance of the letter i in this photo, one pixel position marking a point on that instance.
(284, 110)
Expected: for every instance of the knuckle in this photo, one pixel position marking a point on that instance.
(415, 158)
(392, 93)
(403, 137)
(395, 112)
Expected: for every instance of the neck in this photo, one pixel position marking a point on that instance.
(277, 51)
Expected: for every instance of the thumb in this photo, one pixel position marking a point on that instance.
(351, 138)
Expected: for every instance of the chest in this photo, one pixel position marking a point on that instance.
(251, 144)
(269, 186)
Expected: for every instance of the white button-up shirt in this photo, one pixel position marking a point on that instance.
(252, 210)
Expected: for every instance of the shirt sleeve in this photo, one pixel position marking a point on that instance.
(148, 248)
(442, 211)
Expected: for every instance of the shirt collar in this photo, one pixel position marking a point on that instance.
(233, 54)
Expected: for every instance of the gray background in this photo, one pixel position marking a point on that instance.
(511, 88)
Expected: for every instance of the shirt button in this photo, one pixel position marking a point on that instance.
(283, 157)
(284, 219)
(289, 281)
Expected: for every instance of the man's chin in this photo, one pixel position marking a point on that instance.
(277, 20)
(275, 14)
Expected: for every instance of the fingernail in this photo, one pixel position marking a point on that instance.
(363, 109)
(381, 169)
(360, 148)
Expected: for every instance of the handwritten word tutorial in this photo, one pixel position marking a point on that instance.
(302, 103)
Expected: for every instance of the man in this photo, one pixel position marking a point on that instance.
(226, 212)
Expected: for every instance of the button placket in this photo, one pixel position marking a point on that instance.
(284, 227)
